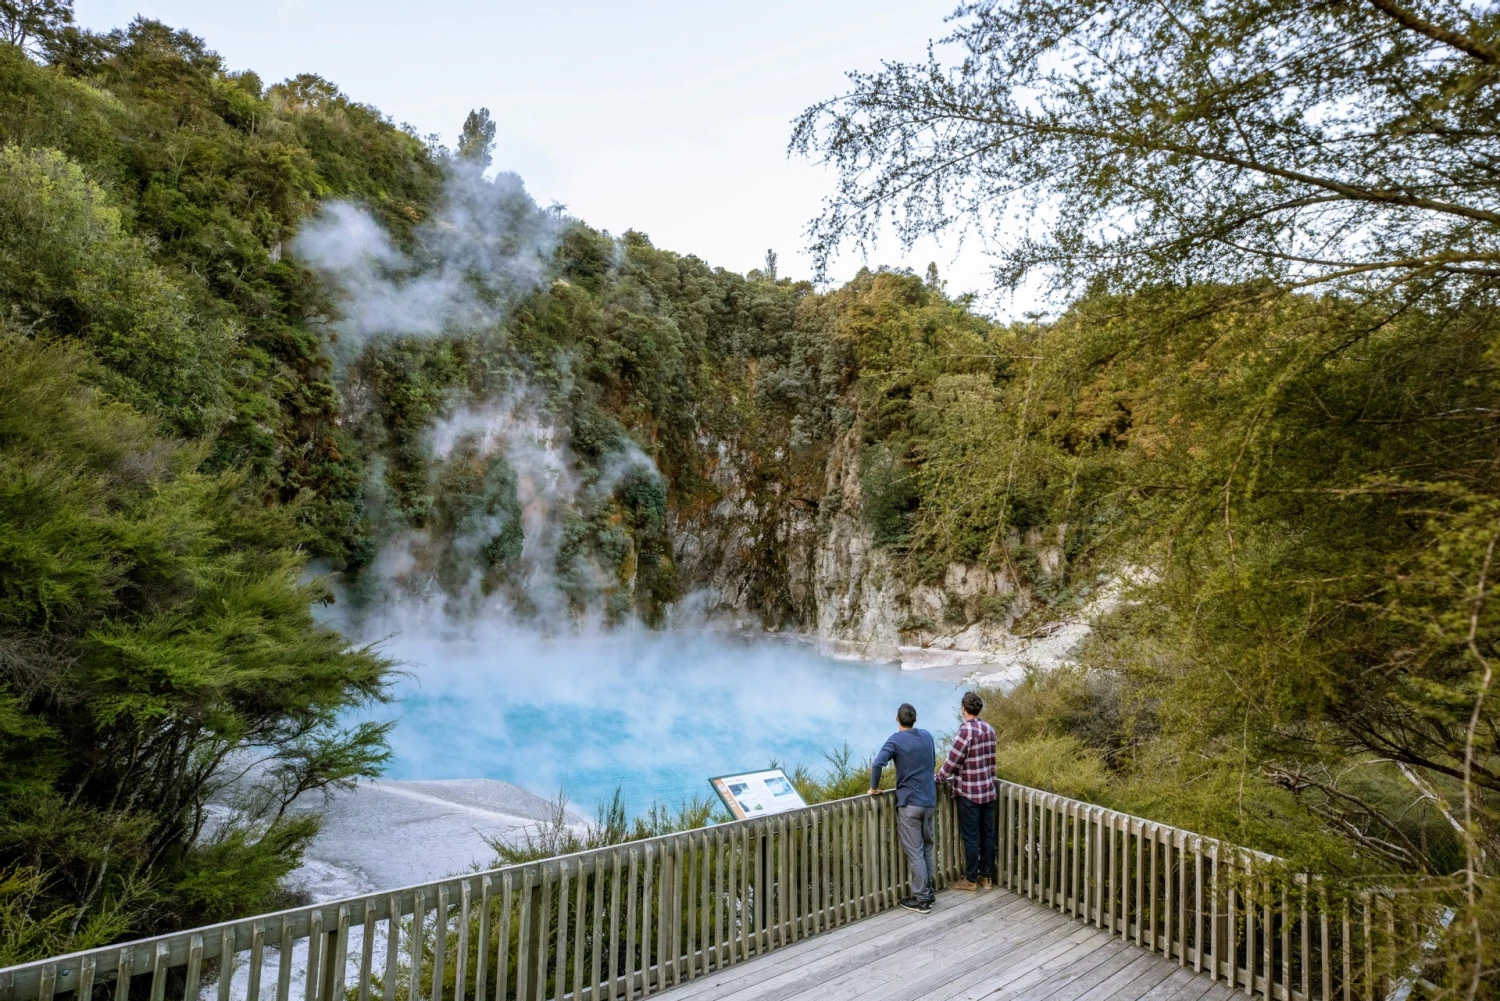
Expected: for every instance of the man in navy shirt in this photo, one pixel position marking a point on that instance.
(915, 757)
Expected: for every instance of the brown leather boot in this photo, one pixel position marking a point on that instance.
(985, 883)
(965, 886)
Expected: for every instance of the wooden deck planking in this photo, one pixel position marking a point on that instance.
(991, 946)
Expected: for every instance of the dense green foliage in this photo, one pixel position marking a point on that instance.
(1273, 411)
(168, 458)
(183, 425)
(1296, 490)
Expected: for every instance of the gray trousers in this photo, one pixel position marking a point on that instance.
(914, 828)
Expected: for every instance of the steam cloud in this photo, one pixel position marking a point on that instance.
(487, 245)
(490, 688)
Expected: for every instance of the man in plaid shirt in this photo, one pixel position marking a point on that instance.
(970, 772)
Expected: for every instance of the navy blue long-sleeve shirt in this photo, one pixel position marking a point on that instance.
(915, 756)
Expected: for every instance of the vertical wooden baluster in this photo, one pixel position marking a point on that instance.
(507, 902)
(46, 982)
(1268, 939)
(867, 853)
(440, 943)
(632, 961)
(1306, 943)
(1066, 859)
(686, 956)
(1325, 964)
(666, 922)
(1081, 862)
(1197, 905)
(579, 926)
(749, 882)
(1230, 925)
(482, 953)
(191, 976)
(1153, 893)
(732, 894)
(1112, 852)
(367, 951)
(87, 967)
(615, 957)
(597, 976)
(1169, 883)
(1214, 944)
(1368, 941)
(705, 911)
(418, 933)
(560, 944)
(1002, 864)
(123, 971)
(1390, 931)
(257, 960)
(1161, 924)
(314, 956)
(392, 946)
(1142, 888)
(502, 936)
(787, 881)
(284, 963)
(1245, 929)
(721, 861)
(1179, 844)
(461, 944)
(526, 919)
(542, 934)
(1286, 937)
(648, 883)
(1064, 821)
(336, 965)
(1348, 954)
(847, 865)
(159, 970)
(1248, 907)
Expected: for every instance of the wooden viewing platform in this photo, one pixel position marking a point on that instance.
(1092, 904)
(992, 945)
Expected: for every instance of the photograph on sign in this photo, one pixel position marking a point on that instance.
(757, 794)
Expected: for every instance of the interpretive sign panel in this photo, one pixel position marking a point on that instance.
(757, 794)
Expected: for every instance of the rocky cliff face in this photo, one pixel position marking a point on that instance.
(763, 556)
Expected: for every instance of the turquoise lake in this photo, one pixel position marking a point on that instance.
(656, 714)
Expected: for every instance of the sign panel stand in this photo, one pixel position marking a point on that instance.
(757, 794)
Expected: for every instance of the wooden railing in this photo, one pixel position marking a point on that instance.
(618, 922)
(1239, 916)
(629, 920)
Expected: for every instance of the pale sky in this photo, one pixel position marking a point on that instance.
(668, 117)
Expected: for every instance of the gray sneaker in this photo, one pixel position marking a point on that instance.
(913, 904)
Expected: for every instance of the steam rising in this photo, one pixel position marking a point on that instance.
(486, 246)
(496, 612)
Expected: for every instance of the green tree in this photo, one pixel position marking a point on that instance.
(1137, 143)
(476, 142)
(31, 24)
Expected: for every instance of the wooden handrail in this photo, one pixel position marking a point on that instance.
(626, 920)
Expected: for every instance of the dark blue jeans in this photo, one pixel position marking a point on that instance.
(977, 825)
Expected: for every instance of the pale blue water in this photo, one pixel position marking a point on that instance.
(657, 714)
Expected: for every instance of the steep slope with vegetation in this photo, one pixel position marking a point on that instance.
(188, 421)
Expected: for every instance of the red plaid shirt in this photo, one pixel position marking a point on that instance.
(970, 768)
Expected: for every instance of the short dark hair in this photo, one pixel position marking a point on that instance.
(973, 704)
(907, 714)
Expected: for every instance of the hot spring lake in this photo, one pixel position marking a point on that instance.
(656, 714)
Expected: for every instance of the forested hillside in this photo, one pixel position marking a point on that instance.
(252, 331)
(194, 417)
